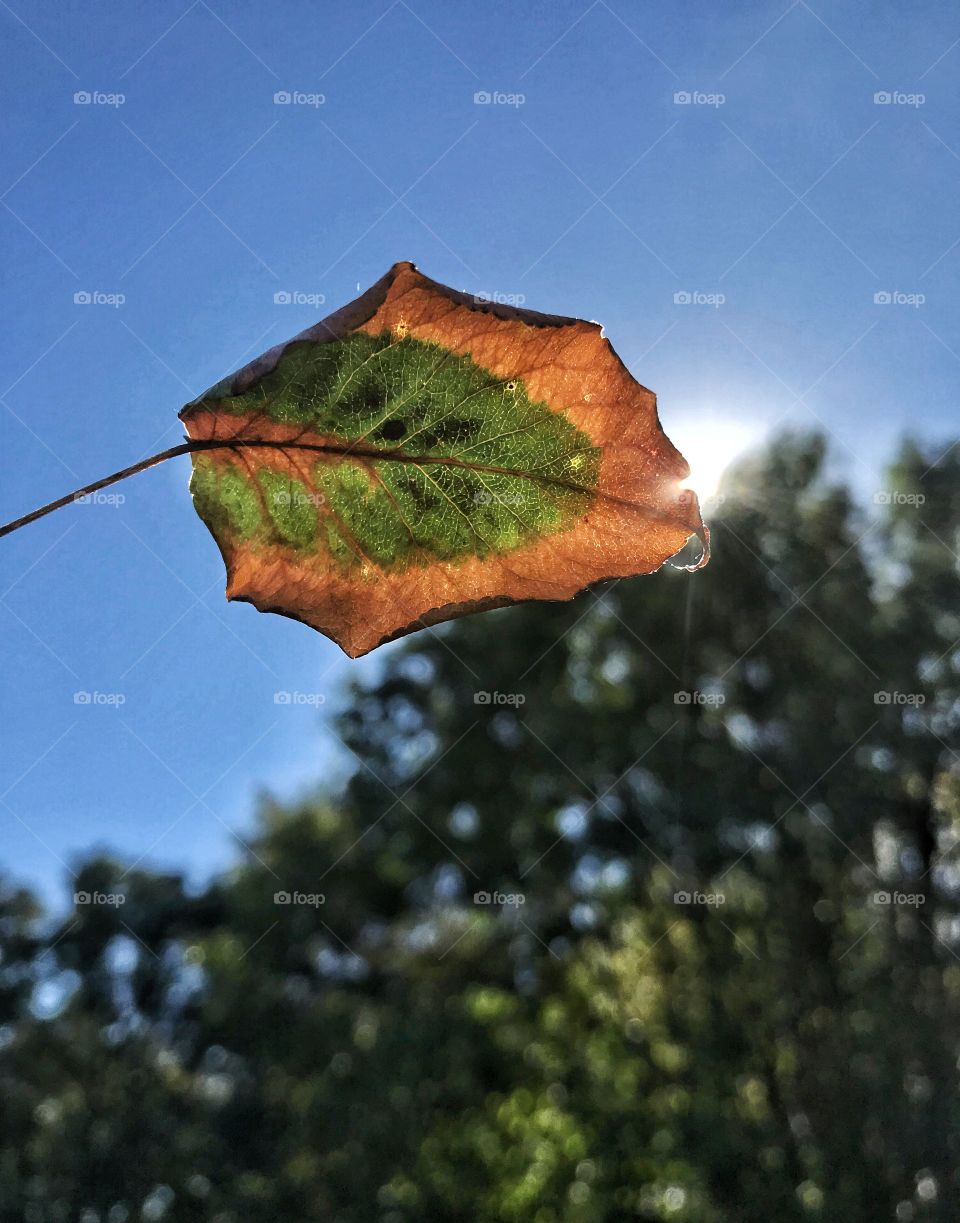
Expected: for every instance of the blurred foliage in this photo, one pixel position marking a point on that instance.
(775, 737)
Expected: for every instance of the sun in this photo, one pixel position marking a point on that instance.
(710, 446)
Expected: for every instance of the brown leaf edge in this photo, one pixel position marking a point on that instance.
(402, 279)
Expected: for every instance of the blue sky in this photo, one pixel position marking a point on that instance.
(722, 189)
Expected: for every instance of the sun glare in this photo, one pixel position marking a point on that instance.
(710, 446)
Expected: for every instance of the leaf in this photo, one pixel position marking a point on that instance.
(422, 454)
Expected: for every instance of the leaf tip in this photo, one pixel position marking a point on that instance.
(703, 534)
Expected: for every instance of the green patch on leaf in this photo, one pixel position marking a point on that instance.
(432, 457)
(292, 508)
(225, 499)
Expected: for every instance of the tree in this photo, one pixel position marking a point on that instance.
(664, 929)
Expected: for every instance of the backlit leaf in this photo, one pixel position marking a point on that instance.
(422, 454)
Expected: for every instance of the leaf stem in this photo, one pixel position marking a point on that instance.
(172, 453)
(353, 448)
